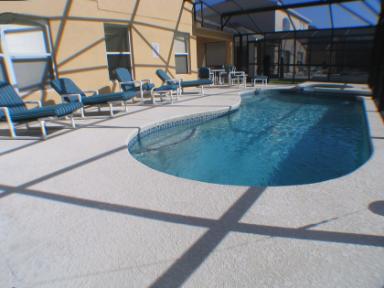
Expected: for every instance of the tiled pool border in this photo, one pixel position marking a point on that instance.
(193, 119)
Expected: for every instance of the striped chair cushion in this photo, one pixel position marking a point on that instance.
(67, 86)
(59, 110)
(104, 98)
(166, 88)
(9, 98)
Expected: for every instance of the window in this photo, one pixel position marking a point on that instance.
(118, 48)
(27, 52)
(3, 77)
(286, 60)
(181, 48)
(286, 24)
(300, 58)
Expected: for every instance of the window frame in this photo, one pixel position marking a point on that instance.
(2, 62)
(115, 53)
(286, 24)
(10, 58)
(183, 54)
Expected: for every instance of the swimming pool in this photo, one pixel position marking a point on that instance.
(276, 137)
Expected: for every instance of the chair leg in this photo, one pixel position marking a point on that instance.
(141, 94)
(82, 112)
(124, 103)
(202, 90)
(110, 109)
(43, 129)
(98, 108)
(153, 96)
(73, 122)
(11, 126)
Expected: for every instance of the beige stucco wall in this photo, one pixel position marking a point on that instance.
(298, 22)
(204, 36)
(77, 32)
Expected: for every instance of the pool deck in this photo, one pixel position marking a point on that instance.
(77, 210)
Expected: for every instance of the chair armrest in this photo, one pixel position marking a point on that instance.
(93, 92)
(129, 82)
(37, 102)
(145, 80)
(238, 73)
(134, 82)
(69, 95)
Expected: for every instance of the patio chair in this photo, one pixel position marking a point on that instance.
(70, 92)
(128, 84)
(165, 90)
(262, 79)
(183, 84)
(13, 110)
(233, 75)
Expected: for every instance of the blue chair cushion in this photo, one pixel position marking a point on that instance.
(204, 73)
(67, 86)
(59, 110)
(9, 98)
(123, 75)
(194, 83)
(146, 87)
(166, 88)
(104, 98)
(163, 75)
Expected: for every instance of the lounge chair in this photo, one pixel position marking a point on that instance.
(128, 84)
(13, 110)
(184, 84)
(165, 90)
(70, 92)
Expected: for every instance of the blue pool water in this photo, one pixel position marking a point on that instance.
(276, 138)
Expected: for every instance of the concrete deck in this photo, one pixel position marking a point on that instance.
(77, 210)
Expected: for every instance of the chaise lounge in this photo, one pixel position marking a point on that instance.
(127, 83)
(13, 110)
(203, 74)
(70, 92)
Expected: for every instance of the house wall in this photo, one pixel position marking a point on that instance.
(77, 32)
(206, 37)
(298, 22)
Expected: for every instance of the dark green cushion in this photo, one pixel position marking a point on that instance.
(195, 83)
